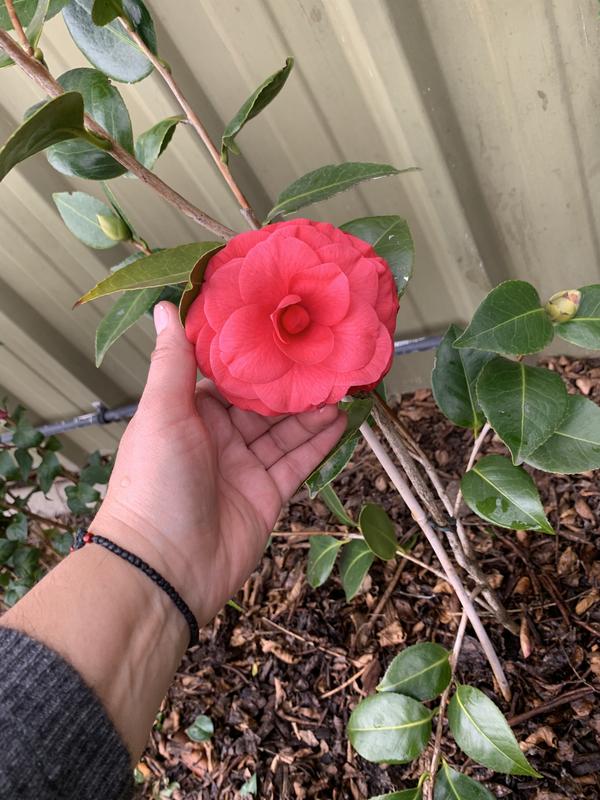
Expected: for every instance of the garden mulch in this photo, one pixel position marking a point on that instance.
(280, 679)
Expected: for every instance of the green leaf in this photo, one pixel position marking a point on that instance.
(104, 11)
(389, 728)
(201, 729)
(60, 541)
(321, 558)
(327, 181)
(524, 405)
(125, 312)
(55, 121)
(575, 444)
(7, 548)
(110, 48)
(329, 496)
(421, 671)
(405, 794)
(504, 495)
(159, 269)
(259, 99)
(34, 29)
(584, 329)
(8, 468)
(250, 787)
(355, 562)
(97, 470)
(105, 105)
(26, 10)
(48, 470)
(195, 278)
(79, 212)
(53, 443)
(452, 785)
(26, 435)
(481, 732)
(17, 530)
(453, 380)
(25, 561)
(25, 462)
(331, 466)
(15, 591)
(391, 239)
(152, 143)
(378, 530)
(80, 497)
(509, 320)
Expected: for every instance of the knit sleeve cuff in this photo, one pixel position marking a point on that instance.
(56, 740)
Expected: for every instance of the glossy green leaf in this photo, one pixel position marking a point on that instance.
(195, 278)
(119, 211)
(481, 732)
(389, 728)
(452, 785)
(321, 558)
(524, 405)
(584, 329)
(97, 470)
(258, 100)
(159, 269)
(327, 181)
(152, 143)
(104, 11)
(81, 498)
(26, 10)
(125, 312)
(453, 379)
(16, 531)
(61, 541)
(405, 794)
(504, 495)
(26, 435)
(105, 105)
(55, 121)
(201, 729)
(378, 530)
(575, 444)
(391, 239)
(48, 470)
(8, 468)
(33, 32)
(110, 48)
(79, 212)
(510, 320)
(329, 496)
(25, 462)
(355, 562)
(421, 671)
(25, 561)
(7, 548)
(331, 466)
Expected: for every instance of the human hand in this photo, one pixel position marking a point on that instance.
(198, 484)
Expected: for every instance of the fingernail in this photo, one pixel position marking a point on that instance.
(161, 318)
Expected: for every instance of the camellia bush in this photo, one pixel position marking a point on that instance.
(294, 313)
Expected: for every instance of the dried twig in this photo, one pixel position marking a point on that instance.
(193, 119)
(38, 73)
(451, 575)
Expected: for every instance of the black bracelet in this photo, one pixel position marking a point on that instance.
(83, 537)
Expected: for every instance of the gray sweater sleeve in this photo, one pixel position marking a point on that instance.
(56, 740)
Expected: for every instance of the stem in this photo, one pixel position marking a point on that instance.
(451, 575)
(38, 73)
(193, 119)
(16, 23)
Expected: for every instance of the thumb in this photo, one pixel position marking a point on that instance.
(171, 381)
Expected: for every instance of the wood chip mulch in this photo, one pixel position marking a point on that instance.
(280, 680)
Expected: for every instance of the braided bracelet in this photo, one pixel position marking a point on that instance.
(83, 537)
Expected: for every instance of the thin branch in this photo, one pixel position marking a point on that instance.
(16, 23)
(451, 575)
(38, 73)
(193, 119)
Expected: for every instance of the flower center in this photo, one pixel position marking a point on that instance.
(294, 319)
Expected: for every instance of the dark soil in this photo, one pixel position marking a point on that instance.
(278, 680)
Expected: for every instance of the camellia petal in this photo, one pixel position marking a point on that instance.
(311, 346)
(222, 293)
(325, 292)
(354, 339)
(300, 389)
(267, 270)
(247, 345)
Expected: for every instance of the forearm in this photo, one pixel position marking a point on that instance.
(119, 630)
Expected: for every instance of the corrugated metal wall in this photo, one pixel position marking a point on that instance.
(496, 100)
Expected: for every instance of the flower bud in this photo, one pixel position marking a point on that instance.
(114, 227)
(563, 306)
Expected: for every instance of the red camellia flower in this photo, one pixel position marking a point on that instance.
(293, 316)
